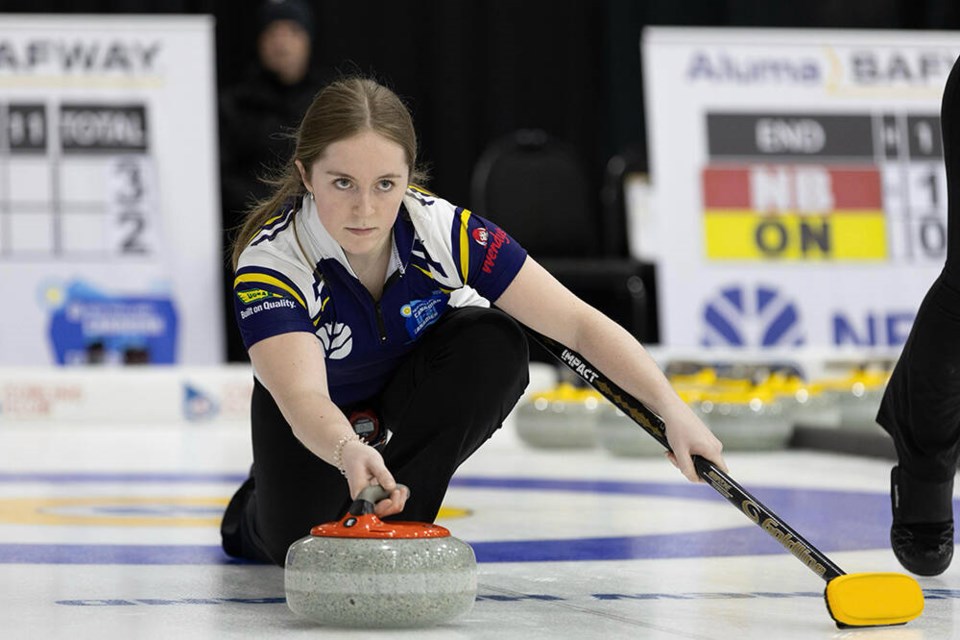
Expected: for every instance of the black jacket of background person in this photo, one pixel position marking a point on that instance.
(255, 115)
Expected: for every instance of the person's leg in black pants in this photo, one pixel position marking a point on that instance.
(449, 397)
(289, 489)
(921, 405)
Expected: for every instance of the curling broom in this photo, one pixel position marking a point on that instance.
(853, 599)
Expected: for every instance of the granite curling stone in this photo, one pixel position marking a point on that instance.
(364, 572)
(620, 435)
(564, 417)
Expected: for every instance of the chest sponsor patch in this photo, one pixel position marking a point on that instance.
(480, 236)
(420, 314)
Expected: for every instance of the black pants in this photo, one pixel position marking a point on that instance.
(921, 405)
(446, 400)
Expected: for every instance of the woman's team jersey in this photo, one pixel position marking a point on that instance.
(293, 276)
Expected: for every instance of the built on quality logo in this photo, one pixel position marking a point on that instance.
(745, 316)
(337, 340)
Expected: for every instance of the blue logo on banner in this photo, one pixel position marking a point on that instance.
(872, 328)
(197, 404)
(755, 317)
(91, 327)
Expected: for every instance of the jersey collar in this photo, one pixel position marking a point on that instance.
(319, 245)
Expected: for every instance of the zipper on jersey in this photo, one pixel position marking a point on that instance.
(381, 325)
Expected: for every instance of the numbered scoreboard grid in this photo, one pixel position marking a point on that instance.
(865, 187)
(77, 182)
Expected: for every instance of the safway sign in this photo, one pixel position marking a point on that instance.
(109, 224)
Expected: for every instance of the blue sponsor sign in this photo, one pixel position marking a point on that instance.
(872, 329)
(745, 316)
(92, 327)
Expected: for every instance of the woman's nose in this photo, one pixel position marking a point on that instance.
(364, 204)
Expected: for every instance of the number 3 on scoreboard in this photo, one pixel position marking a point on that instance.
(131, 206)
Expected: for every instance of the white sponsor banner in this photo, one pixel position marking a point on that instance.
(109, 199)
(798, 183)
(134, 396)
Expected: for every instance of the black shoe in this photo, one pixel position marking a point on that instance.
(922, 531)
(230, 527)
(923, 549)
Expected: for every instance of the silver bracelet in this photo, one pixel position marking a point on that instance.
(338, 451)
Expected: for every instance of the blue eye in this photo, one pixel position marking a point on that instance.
(341, 183)
(385, 185)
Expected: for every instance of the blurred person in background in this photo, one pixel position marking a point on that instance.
(256, 116)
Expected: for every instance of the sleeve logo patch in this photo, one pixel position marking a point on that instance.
(480, 236)
(499, 239)
(252, 295)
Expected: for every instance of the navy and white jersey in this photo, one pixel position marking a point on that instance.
(293, 276)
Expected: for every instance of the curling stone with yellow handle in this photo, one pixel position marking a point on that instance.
(564, 417)
(619, 434)
(857, 397)
(805, 401)
(746, 421)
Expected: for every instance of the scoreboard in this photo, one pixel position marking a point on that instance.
(799, 185)
(109, 207)
(78, 181)
(814, 186)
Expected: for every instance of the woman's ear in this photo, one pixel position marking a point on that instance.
(303, 175)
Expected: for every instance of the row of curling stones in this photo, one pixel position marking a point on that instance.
(744, 415)
(748, 411)
(363, 572)
(749, 407)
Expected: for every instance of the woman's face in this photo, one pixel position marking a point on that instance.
(358, 185)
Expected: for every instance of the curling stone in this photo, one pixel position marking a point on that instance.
(364, 572)
(621, 436)
(564, 417)
(753, 421)
(858, 397)
(807, 402)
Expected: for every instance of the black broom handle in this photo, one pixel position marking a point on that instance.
(726, 486)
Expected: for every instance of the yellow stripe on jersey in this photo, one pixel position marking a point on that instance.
(464, 245)
(265, 279)
(421, 190)
(424, 271)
